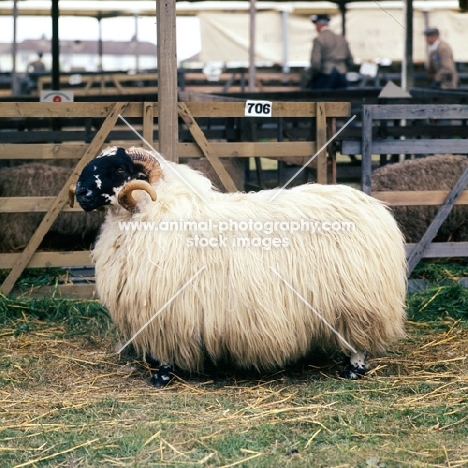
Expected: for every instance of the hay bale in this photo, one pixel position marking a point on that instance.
(438, 172)
(38, 179)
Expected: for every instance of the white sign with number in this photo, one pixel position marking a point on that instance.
(56, 96)
(258, 108)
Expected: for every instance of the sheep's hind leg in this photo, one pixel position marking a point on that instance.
(162, 376)
(356, 367)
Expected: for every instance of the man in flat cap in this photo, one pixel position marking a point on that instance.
(440, 66)
(330, 56)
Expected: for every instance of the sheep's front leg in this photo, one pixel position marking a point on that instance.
(356, 367)
(162, 376)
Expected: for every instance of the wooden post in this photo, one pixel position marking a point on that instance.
(51, 215)
(366, 149)
(167, 79)
(321, 139)
(148, 123)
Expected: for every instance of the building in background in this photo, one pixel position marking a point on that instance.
(83, 55)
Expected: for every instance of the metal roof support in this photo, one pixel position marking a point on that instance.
(55, 46)
(407, 69)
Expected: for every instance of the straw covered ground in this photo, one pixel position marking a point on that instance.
(68, 401)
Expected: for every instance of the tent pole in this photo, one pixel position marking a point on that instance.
(252, 47)
(284, 21)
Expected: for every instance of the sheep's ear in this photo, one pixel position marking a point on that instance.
(71, 195)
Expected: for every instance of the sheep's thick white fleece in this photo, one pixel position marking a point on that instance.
(237, 308)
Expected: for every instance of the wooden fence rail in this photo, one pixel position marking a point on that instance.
(123, 83)
(323, 114)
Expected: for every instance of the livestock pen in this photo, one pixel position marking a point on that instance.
(415, 129)
(69, 400)
(94, 125)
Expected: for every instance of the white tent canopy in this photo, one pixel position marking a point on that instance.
(374, 30)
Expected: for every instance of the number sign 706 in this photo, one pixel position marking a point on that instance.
(258, 108)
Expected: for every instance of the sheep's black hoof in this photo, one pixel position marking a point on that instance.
(354, 372)
(162, 377)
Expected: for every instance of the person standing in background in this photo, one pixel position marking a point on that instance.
(330, 56)
(37, 66)
(440, 66)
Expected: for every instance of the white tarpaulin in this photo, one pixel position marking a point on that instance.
(377, 34)
(225, 38)
(372, 32)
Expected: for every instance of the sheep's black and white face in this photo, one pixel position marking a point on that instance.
(104, 176)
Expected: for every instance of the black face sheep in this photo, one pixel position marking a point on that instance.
(38, 179)
(438, 172)
(253, 279)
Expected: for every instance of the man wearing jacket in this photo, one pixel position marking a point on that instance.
(330, 56)
(440, 66)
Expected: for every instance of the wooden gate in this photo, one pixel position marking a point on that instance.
(428, 129)
(58, 114)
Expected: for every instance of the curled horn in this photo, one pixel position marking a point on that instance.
(125, 197)
(71, 195)
(148, 161)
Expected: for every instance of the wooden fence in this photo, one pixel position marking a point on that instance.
(417, 130)
(99, 84)
(323, 114)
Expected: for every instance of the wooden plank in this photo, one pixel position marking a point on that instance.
(211, 89)
(320, 141)
(202, 142)
(68, 109)
(113, 91)
(304, 149)
(49, 259)
(419, 111)
(351, 146)
(442, 249)
(416, 146)
(418, 198)
(51, 215)
(418, 251)
(279, 109)
(30, 205)
(42, 151)
(148, 124)
(134, 109)
(71, 291)
(366, 164)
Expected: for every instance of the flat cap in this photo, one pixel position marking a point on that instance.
(431, 32)
(320, 18)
